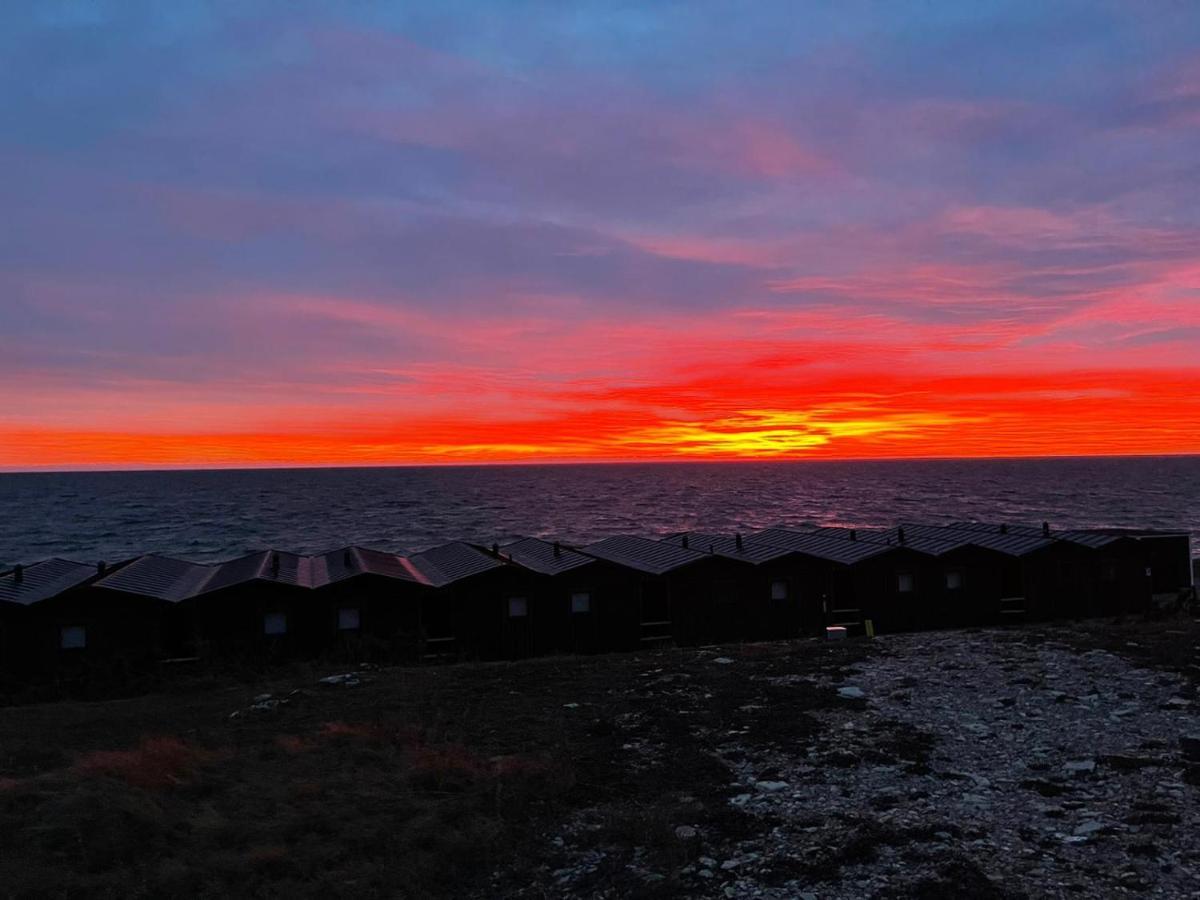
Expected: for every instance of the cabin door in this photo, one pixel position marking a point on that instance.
(581, 618)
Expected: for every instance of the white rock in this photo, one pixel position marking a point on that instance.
(723, 661)
(771, 787)
(851, 693)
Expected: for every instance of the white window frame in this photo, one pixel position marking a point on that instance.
(272, 618)
(72, 637)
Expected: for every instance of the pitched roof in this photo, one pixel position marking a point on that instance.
(931, 543)
(723, 545)
(448, 563)
(160, 577)
(540, 556)
(643, 554)
(43, 580)
(822, 546)
(338, 565)
(1012, 543)
(292, 569)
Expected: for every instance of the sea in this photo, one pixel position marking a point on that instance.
(218, 514)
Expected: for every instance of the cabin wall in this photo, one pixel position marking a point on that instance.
(1120, 584)
(784, 598)
(370, 617)
(975, 601)
(1169, 559)
(115, 629)
(895, 590)
(14, 639)
(232, 622)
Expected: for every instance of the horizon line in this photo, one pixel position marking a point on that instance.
(284, 466)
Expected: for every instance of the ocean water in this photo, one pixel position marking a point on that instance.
(208, 515)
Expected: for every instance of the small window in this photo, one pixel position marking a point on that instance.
(275, 623)
(904, 582)
(348, 619)
(517, 607)
(581, 602)
(72, 637)
(1109, 572)
(779, 590)
(954, 579)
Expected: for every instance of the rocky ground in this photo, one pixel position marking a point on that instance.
(1037, 761)
(995, 763)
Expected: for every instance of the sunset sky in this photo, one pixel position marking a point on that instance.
(251, 233)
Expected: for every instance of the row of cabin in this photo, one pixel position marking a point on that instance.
(535, 597)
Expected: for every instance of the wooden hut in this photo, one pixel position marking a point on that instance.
(670, 592)
(368, 603)
(1043, 578)
(43, 623)
(258, 607)
(779, 592)
(480, 607)
(571, 609)
(859, 579)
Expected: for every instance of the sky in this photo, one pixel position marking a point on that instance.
(263, 233)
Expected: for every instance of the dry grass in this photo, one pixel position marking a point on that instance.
(421, 783)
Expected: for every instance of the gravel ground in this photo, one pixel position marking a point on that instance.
(992, 763)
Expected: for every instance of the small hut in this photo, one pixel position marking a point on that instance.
(258, 607)
(571, 608)
(479, 606)
(667, 592)
(779, 591)
(44, 624)
(859, 579)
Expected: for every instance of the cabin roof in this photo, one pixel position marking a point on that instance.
(160, 577)
(539, 556)
(643, 554)
(338, 565)
(43, 580)
(294, 570)
(448, 563)
(1020, 542)
(726, 546)
(820, 545)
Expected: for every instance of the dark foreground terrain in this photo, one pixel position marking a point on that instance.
(1033, 762)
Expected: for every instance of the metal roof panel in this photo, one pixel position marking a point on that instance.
(43, 580)
(159, 577)
(643, 554)
(540, 556)
(448, 563)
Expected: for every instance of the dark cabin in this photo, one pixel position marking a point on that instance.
(859, 580)
(779, 591)
(571, 610)
(480, 607)
(1044, 577)
(46, 624)
(667, 592)
(1168, 561)
(368, 602)
(1119, 571)
(963, 581)
(258, 607)
(157, 586)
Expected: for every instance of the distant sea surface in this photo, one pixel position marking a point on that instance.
(216, 514)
